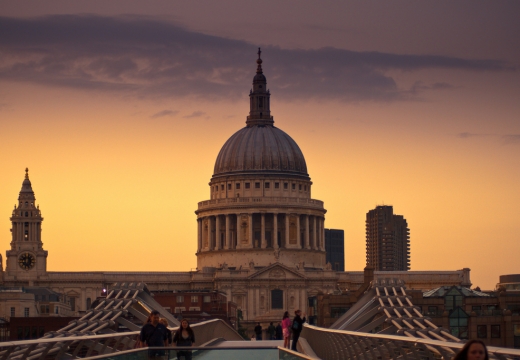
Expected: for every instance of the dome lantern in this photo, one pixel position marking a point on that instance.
(259, 99)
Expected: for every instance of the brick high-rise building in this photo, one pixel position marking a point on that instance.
(388, 240)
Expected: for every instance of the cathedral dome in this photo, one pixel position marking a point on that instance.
(262, 148)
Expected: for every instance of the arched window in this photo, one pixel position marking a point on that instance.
(89, 303)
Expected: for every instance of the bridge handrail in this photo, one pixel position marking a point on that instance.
(109, 343)
(342, 344)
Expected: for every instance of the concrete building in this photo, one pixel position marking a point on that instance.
(335, 248)
(260, 235)
(388, 240)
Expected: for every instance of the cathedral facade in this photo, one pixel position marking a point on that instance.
(260, 235)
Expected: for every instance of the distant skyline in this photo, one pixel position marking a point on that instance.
(120, 108)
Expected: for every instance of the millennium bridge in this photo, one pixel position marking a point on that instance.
(383, 324)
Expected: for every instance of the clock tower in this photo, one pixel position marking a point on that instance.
(26, 261)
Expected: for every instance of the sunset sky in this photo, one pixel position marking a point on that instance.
(119, 109)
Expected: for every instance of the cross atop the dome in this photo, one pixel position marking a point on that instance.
(259, 62)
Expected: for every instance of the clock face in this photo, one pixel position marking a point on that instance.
(26, 261)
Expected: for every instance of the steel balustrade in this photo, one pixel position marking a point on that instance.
(333, 344)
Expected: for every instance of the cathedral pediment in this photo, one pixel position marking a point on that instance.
(277, 271)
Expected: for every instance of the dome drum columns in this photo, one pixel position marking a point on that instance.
(260, 230)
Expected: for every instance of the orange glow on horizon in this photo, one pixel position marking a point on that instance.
(118, 189)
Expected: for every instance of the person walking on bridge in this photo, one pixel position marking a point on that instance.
(297, 327)
(154, 334)
(286, 324)
(271, 331)
(258, 332)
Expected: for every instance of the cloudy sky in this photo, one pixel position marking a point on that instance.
(119, 110)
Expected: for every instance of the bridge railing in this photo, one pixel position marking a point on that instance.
(223, 351)
(87, 345)
(340, 344)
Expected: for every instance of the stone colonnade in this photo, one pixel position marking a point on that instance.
(261, 231)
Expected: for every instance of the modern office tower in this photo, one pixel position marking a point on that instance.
(388, 240)
(335, 248)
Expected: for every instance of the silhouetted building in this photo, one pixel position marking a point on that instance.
(335, 248)
(388, 240)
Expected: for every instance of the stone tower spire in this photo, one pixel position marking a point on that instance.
(259, 99)
(26, 255)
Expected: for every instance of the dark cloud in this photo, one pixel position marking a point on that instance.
(164, 113)
(195, 114)
(420, 86)
(146, 57)
(511, 139)
(505, 139)
(466, 135)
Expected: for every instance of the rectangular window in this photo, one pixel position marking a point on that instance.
(229, 186)
(13, 312)
(516, 336)
(285, 186)
(336, 312)
(305, 188)
(248, 185)
(277, 299)
(432, 310)
(257, 185)
(294, 186)
(180, 298)
(237, 186)
(222, 187)
(194, 299)
(266, 185)
(495, 331)
(481, 331)
(56, 309)
(207, 298)
(26, 312)
(300, 187)
(276, 185)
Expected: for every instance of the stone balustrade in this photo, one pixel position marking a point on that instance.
(248, 201)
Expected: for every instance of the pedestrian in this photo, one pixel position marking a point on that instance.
(153, 334)
(286, 324)
(168, 331)
(258, 332)
(271, 331)
(279, 331)
(297, 327)
(473, 350)
(184, 336)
